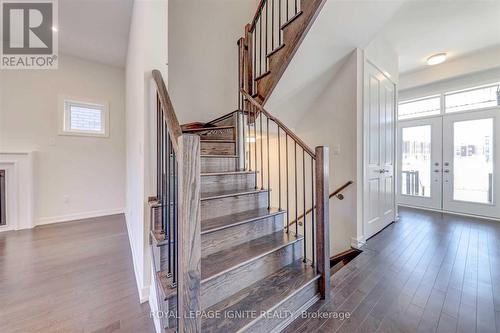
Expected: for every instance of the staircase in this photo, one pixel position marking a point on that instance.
(271, 40)
(239, 225)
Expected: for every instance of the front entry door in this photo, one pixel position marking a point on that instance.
(378, 200)
(420, 163)
(470, 163)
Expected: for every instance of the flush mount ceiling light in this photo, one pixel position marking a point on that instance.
(436, 59)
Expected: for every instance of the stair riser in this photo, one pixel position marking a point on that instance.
(231, 205)
(228, 182)
(233, 236)
(296, 304)
(218, 148)
(227, 284)
(218, 134)
(218, 164)
(231, 121)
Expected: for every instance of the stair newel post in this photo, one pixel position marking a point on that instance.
(189, 231)
(323, 220)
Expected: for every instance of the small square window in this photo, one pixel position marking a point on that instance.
(84, 118)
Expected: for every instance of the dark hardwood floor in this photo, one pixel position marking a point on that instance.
(70, 277)
(428, 272)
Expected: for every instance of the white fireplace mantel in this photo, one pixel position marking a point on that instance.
(18, 168)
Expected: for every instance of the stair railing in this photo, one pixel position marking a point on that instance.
(297, 175)
(264, 35)
(178, 199)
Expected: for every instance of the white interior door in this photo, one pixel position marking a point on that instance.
(379, 150)
(420, 163)
(471, 150)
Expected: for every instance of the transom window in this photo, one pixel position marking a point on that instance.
(84, 118)
(471, 99)
(428, 106)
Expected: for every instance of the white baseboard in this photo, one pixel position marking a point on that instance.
(358, 242)
(78, 216)
(143, 291)
(153, 302)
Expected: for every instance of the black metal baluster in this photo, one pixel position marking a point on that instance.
(158, 161)
(304, 204)
(272, 25)
(287, 10)
(164, 178)
(260, 42)
(266, 34)
(249, 141)
(287, 192)
(296, 11)
(168, 201)
(243, 138)
(175, 221)
(255, 144)
(279, 22)
(261, 156)
(279, 169)
(268, 170)
(312, 211)
(254, 51)
(296, 201)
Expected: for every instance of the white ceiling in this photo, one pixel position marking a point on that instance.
(458, 27)
(95, 30)
(340, 27)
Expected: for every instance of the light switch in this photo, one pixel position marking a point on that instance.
(336, 150)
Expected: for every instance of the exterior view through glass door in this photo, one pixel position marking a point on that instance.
(470, 152)
(448, 152)
(419, 151)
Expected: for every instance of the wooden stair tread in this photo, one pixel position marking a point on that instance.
(218, 223)
(229, 193)
(220, 262)
(291, 19)
(264, 295)
(209, 174)
(191, 130)
(158, 238)
(219, 156)
(218, 141)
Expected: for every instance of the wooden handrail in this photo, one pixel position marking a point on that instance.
(333, 194)
(174, 129)
(288, 131)
(257, 14)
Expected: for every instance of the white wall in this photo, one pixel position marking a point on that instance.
(75, 177)
(147, 50)
(332, 121)
(203, 62)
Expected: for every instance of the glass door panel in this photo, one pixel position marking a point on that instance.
(416, 161)
(470, 153)
(419, 169)
(473, 160)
